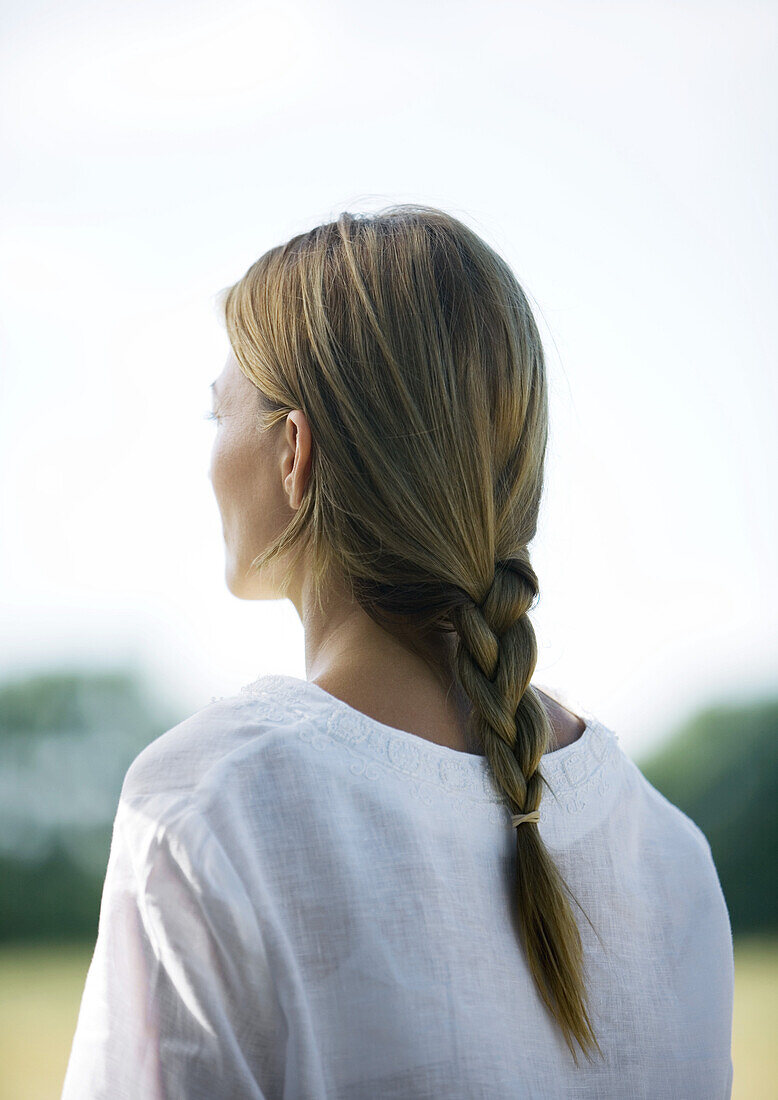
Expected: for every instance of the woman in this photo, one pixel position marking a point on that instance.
(414, 873)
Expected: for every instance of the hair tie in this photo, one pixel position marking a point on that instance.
(533, 815)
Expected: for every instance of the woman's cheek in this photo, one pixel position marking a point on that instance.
(222, 467)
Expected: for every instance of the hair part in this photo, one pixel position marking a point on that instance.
(411, 348)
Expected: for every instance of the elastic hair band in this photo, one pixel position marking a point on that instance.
(533, 815)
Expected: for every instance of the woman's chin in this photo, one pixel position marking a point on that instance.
(241, 583)
(236, 582)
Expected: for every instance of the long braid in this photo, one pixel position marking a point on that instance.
(495, 657)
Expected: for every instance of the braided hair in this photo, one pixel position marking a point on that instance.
(412, 350)
(495, 657)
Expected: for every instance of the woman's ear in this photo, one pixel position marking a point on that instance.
(297, 435)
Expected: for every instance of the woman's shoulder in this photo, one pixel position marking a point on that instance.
(670, 839)
(224, 731)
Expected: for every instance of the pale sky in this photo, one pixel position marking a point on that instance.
(621, 157)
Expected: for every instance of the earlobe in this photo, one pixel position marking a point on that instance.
(289, 487)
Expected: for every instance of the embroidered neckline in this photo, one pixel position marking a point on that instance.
(572, 771)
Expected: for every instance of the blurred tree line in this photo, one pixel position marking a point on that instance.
(66, 741)
(721, 769)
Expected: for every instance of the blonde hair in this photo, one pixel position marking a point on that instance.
(412, 350)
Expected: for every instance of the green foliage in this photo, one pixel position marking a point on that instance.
(50, 901)
(66, 741)
(50, 702)
(721, 769)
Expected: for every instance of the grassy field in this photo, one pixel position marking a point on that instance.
(754, 1049)
(40, 991)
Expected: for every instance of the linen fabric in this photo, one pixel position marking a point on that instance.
(302, 903)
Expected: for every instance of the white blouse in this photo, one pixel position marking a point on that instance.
(304, 903)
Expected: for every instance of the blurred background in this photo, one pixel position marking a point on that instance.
(622, 158)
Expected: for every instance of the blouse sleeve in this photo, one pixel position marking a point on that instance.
(168, 1008)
